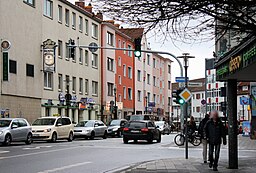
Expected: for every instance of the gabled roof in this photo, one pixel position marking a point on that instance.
(133, 32)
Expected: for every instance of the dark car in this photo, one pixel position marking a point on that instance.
(141, 130)
(115, 127)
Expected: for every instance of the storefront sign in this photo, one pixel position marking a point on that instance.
(234, 64)
(246, 128)
(49, 55)
(5, 66)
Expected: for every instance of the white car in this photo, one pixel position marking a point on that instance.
(52, 129)
(90, 129)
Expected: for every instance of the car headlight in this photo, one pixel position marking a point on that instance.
(1, 132)
(115, 129)
(47, 130)
(87, 131)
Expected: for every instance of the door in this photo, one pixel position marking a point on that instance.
(66, 125)
(153, 130)
(23, 128)
(60, 128)
(102, 128)
(97, 128)
(15, 131)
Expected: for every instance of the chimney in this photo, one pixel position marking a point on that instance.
(88, 8)
(80, 4)
(111, 21)
(117, 25)
(99, 15)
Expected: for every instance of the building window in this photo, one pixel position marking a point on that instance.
(129, 72)
(110, 39)
(139, 75)
(154, 80)
(86, 57)
(124, 92)
(67, 17)
(48, 80)
(148, 59)
(129, 93)
(48, 8)
(74, 84)
(94, 60)
(130, 52)
(119, 80)
(30, 2)
(13, 66)
(154, 98)
(202, 95)
(94, 88)
(60, 82)
(124, 46)
(81, 55)
(80, 85)
(68, 52)
(148, 78)
(169, 85)
(94, 30)
(119, 61)
(198, 109)
(169, 69)
(60, 49)
(149, 96)
(30, 70)
(80, 24)
(86, 86)
(139, 96)
(60, 13)
(110, 64)
(86, 26)
(110, 89)
(197, 96)
(154, 63)
(124, 70)
(119, 97)
(169, 101)
(119, 44)
(74, 20)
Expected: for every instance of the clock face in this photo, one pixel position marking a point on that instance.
(48, 59)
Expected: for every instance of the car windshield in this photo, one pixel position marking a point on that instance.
(159, 123)
(85, 124)
(5, 123)
(115, 123)
(137, 125)
(44, 122)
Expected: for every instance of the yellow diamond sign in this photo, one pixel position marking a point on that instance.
(186, 95)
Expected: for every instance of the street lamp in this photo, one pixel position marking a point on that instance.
(115, 112)
(146, 107)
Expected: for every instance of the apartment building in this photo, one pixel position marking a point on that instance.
(33, 90)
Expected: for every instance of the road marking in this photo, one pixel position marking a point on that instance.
(36, 148)
(65, 167)
(2, 152)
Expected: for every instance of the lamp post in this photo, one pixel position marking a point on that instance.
(115, 112)
(185, 57)
(146, 106)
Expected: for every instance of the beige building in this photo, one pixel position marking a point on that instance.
(32, 92)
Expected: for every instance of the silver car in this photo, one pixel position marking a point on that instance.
(90, 129)
(15, 130)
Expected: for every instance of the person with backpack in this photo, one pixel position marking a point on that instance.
(201, 133)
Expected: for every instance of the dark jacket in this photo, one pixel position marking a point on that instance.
(214, 131)
(202, 125)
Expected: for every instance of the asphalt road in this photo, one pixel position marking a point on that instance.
(91, 156)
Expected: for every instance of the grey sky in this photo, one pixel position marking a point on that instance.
(199, 50)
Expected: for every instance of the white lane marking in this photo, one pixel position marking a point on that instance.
(36, 148)
(65, 167)
(2, 152)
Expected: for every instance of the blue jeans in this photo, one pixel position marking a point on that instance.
(214, 148)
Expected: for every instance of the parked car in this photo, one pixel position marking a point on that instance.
(115, 127)
(90, 129)
(15, 130)
(53, 128)
(141, 130)
(163, 127)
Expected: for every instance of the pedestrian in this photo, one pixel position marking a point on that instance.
(201, 132)
(214, 132)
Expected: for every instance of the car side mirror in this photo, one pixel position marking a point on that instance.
(59, 124)
(14, 126)
(157, 127)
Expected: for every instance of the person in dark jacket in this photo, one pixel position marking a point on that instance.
(201, 132)
(214, 132)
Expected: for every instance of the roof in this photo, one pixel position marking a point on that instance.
(175, 86)
(133, 32)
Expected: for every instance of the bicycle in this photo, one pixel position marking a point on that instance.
(194, 139)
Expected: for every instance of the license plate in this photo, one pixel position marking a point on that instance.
(35, 134)
(135, 131)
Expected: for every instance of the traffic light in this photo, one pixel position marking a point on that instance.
(176, 97)
(72, 49)
(137, 51)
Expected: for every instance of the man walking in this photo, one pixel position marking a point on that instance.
(214, 131)
(201, 132)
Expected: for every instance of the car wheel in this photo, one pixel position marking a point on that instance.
(105, 135)
(92, 135)
(125, 140)
(159, 139)
(119, 134)
(70, 137)
(29, 139)
(7, 140)
(54, 137)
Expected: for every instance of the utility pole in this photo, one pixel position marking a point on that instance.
(115, 108)
(185, 111)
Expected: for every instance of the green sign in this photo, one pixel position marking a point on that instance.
(5, 66)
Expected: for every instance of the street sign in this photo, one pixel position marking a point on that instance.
(244, 101)
(181, 79)
(195, 84)
(186, 95)
(93, 47)
(203, 102)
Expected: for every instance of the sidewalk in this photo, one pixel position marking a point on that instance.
(192, 165)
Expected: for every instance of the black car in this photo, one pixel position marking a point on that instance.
(141, 130)
(115, 127)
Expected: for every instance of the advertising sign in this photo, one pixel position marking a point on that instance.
(49, 55)
(244, 101)
(246, 128)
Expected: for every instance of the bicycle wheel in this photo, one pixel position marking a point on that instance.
(179, 140)
(196, 141)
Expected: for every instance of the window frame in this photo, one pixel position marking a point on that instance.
(47, 85)
(12, 66)
(45, 11)
(95, 88)
(33, 4)
(27, 70)
(60, 14)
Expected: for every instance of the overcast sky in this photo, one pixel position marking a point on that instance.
(199, 50)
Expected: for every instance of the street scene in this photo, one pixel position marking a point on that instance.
(127, 86)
